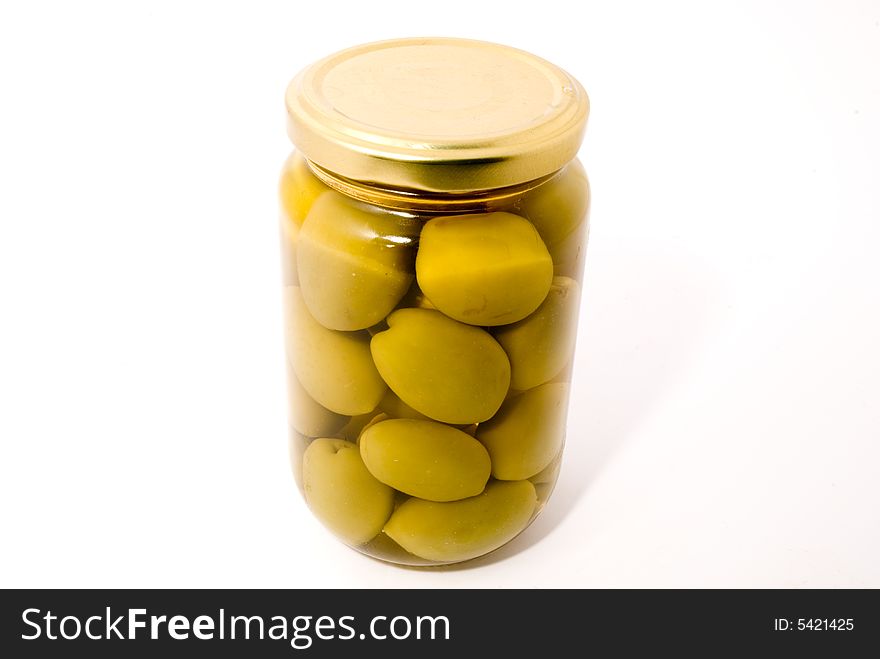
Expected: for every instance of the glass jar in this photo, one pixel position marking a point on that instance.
(433, 231)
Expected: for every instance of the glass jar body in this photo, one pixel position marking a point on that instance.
(429, 357)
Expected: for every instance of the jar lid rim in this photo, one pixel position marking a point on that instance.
(438, 114)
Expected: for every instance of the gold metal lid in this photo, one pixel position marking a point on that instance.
(439, 115)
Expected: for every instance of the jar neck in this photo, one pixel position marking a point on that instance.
(420, 201)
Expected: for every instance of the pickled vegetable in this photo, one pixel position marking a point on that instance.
(490, 269)
(306, 415)
(342, 493)
(433, 235)
(459, 530)
(425, 459)
(527, 433)
(444, 369)
(558, 209)
(540, 346)
(354, 266)
(335, 368)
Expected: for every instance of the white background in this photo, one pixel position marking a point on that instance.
(726, 415)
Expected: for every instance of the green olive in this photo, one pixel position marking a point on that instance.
(545, 480)
(548, 474)
(444, 369)
(381, 326)
(397, 409)
(570, 253)
(540, 346)
(289, 235)
(527, 433)
(354, 266)
(425, 459)
(297, 443)
(490, 269)
(414, 297)
(461, 530)
(372, 422)
(335, 368)
(307, 416)
(342, 493)
(298, 189)
(385, 549)
(470, 429)
(559, 210)
(355, 426)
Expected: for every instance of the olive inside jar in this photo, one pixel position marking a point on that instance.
(434, 223)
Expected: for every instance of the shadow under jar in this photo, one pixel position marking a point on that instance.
(434, 223)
